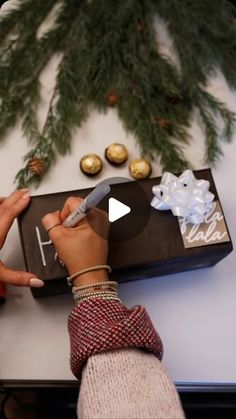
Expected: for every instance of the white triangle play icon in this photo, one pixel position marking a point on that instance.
(116, 210)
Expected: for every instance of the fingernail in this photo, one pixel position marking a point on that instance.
(35, 282)
(26, 195)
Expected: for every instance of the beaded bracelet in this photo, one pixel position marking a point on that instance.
(103, 295)
(96, 285)
(100, 291)
(79, 293)
(84, 294)
(82, 297)
(103, 298)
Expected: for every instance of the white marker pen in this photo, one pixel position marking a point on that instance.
(101, 190)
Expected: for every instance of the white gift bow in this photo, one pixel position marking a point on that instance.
(185, 196)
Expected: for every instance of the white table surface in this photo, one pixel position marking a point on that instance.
(194, 312)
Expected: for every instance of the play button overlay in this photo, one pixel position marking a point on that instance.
(128, 209)
(116, 210)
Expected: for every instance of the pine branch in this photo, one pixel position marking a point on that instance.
(28, 69)
(204, 35)
(111, 46)
(30, 15)
(229, 119)
(219, 109)
(44, 150)
(29, 113)
(153, 139)
(213, 150)
(28, 55)
(156, 80)
(66, 109)
(12, 18)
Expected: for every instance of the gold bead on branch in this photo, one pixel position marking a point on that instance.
(140, 168)
(163, 123)
(36, 166)
(140, 25)
(112, 98)
(116, 154)
(175, 99)
(91, 164)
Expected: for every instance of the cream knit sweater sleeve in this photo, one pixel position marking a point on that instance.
(127, 383)
(116, 354)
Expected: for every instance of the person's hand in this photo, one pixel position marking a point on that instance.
(10, 208)
(80, 247)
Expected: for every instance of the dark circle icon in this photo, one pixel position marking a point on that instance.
(128, 209)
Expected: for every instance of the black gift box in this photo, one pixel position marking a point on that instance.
(156, 250)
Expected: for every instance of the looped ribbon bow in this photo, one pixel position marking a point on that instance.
(185, 196)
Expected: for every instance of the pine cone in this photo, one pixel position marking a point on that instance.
(36, 166)
(140, 25)
(175, 100)
(112, 98)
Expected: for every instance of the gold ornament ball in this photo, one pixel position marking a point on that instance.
(91, 164)
(116, 154)
(140, 168)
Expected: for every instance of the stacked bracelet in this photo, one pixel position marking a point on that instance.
(96, 285)
(106, 290)
(86, 270)
(103, 296)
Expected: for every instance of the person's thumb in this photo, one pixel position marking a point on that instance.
(20, 278)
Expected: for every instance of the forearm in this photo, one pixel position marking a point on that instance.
(117, 352)
(127, 383)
